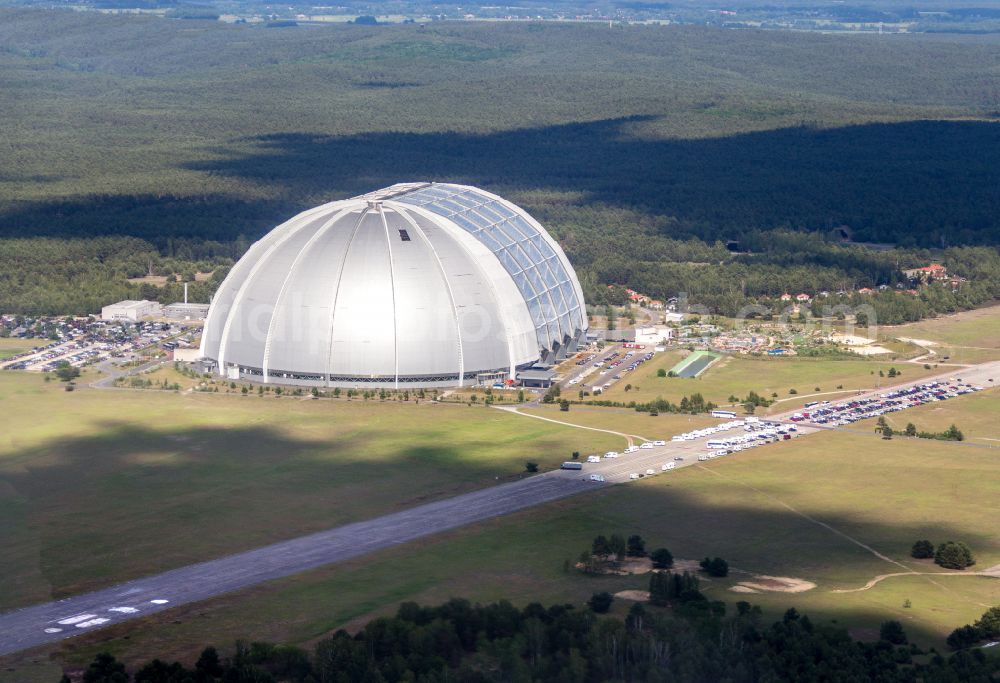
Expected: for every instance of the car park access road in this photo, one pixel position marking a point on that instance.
(53, 621)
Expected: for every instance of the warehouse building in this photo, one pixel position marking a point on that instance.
(185, 311)
(415, 285)
(131, 310)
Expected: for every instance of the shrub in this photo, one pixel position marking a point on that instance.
(964, 636)
(531, 466)
(601, 602)
(636, 546)
(661, 372)
(922, 550)
(892, 632)
(954, 555)
(662, 558)
(715, 566)
(989, 623)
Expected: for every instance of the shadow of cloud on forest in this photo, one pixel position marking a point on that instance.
(933, 176)
(930, 182)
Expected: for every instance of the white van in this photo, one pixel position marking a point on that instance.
(659, 442)
(611, 454)
(668, 466)
(593, 458)
(634, 475)
(597, 477)
(648, 444)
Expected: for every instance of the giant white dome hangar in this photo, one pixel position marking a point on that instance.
(414, 285)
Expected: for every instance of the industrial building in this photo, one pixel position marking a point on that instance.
(185, 311)
(414, 285)
(132, 311)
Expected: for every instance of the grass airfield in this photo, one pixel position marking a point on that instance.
(764, 512)
(100, 486)
(87, 475)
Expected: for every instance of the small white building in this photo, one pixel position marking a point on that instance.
(132, 311)
(653, 335)
(187, 355)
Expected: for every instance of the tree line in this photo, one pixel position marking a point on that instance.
(695, 640)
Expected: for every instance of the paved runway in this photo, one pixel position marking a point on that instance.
(55, 621)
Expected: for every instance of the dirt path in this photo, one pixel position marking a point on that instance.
(993, 572)
(628, 437)
(928, 575)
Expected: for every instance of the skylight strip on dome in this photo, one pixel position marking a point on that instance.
(520, 247)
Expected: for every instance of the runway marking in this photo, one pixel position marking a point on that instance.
(159, 602)
(53, 630)
(93, 622)
(69, 621)
(124, 610)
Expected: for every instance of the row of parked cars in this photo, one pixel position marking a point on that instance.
(846, 412)
(757, 434)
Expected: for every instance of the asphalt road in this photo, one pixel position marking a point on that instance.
(54, 621)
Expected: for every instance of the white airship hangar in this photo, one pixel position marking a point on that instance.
(415, 285)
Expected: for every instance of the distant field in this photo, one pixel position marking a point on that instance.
(967, 337)
(884, 494)
(737, 375)
(12, 347)
(100, 486)
(977, 328)
(976, 415)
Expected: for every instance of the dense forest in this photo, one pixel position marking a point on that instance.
(458, 641)
(645, 149)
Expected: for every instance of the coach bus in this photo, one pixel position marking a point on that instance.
(723, 413)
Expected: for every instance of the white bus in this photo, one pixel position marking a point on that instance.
(716, 444)
(723, 413)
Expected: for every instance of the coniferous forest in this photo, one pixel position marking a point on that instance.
(459, 641)
(732, 166)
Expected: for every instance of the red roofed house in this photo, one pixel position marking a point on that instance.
(935, 271)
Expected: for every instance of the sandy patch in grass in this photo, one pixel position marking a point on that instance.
(869, 350)
(777, 584)
(633, 595)
(628, 566)
(740, 588)
(643, 565)
(850, 339)
(918, 342)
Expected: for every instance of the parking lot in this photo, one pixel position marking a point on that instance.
(597, 371)
(85, 341)
(667, 453)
